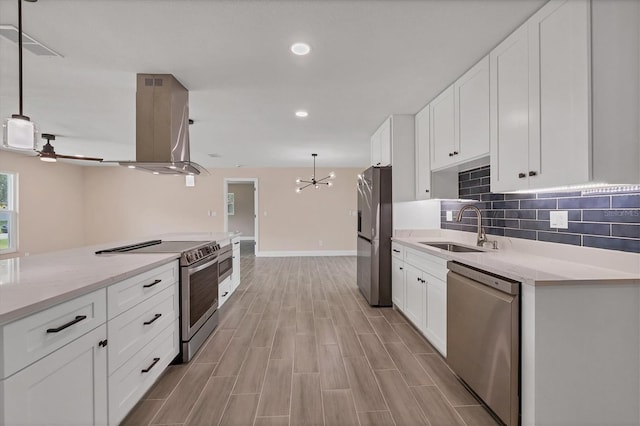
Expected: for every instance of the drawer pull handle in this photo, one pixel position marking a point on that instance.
(521, 176)
(532, 173)
(397, 251)
(426, 190)
(225, 293)
(401, 268)
(155, 361)
(69, 324)
(102, 343)
(152, 284)
(237, 242)
(155, 317)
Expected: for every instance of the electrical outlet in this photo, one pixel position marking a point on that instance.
(449, 215)
(559, 219)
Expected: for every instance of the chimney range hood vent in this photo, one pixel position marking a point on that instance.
(162, 127)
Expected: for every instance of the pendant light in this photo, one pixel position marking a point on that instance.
(19, 130)
(315, 182)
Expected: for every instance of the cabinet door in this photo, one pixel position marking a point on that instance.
(472, 113)
(423, 163)
(385, 143)
(509, 105)
(436, 315)
(235, 275)
(375, 149)
(398, 283)
(414, 296)
(559, 46)
(442, 111)
(67, 387)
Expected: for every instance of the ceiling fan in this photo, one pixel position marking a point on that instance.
(48, 153)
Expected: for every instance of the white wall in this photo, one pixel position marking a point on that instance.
(122, 204)
(50, 203)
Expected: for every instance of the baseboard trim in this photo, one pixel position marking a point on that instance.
(316, 253)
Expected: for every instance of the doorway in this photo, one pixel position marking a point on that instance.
(241, 212)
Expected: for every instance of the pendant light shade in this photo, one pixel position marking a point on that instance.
(19, 132)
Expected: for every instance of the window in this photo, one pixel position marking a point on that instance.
(7, 212)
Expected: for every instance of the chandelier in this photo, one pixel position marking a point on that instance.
(314, 182)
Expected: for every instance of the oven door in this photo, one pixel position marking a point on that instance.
(199, 288)
(225, 263)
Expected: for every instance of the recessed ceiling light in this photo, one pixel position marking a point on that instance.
(302, 114)
(300, 48)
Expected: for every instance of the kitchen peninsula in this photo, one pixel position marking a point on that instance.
(62, 312)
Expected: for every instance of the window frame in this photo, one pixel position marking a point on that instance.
(12, 210)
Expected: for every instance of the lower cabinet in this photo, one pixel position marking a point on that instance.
(398, 283)
(420, 292)
(66, 387)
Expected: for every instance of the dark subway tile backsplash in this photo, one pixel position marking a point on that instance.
(608, 221)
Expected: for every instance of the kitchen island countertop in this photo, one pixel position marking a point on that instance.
(32, 283)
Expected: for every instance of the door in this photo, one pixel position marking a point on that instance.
(67, 387)
(414, 296)
(472, 112)
(365, 204)
(398, 283)
(509, 104)
(363, 266)
(442, 129)
(423, 164)
(559, 45)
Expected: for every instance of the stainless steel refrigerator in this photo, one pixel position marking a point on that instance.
(375, 228)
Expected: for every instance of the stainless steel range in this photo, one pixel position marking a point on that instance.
(199, 274)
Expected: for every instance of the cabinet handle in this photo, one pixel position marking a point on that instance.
(102, 343)
(426, 190)
(401, 268)
(397, 251)
(451, 154)
(155, 361)
(377, 164)
(532, 173)
(225, 293)
(455, 152)
(152, 284)
(237, 242)
(69, 324)
(521, 175)
(155, 317)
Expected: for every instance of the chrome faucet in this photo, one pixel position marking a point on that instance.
(482, 236)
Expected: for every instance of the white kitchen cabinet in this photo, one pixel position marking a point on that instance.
(442, 129)
(66, 387)
(398, 283)
(561, 114)
(381, 145)
(472, 113)
(436, 312)
(394, 141)
(414, 307)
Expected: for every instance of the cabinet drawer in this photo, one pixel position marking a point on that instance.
(133, 329)
(128, 293)
(397, 250)
(31, 338)
(129, 383)
(224, 291)
(429, 263)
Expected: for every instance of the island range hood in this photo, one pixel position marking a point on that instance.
(162, 127)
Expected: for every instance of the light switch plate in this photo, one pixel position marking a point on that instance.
(449, 215)
(559, 219)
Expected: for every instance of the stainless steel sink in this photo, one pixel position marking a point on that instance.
(452, 247)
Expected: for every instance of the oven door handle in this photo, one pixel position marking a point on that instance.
(193, 270)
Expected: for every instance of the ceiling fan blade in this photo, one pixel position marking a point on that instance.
(75, 157)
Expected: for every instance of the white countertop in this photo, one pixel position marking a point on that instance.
(528, 268)
(33, 283)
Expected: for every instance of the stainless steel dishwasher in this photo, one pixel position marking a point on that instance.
(483, 337)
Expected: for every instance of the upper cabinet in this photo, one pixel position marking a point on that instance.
(459, 119)
(393, 145)
(565, 97)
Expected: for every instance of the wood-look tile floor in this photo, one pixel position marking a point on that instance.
(298, 345)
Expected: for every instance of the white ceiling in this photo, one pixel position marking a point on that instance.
(369, 59)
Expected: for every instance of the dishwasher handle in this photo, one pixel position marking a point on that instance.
(503, 284)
